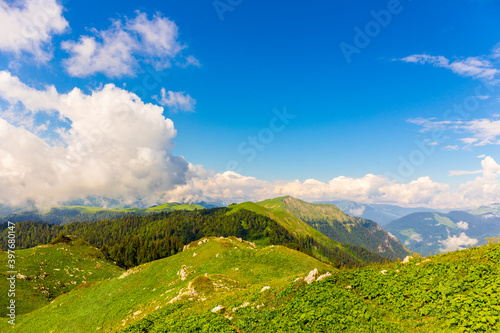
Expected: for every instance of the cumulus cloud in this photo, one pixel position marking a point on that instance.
(226, 187)
(116, 51)
(485, 188)
(114, 145)
(453, 243)
(176, 101)
(28, 26)
(463, 225)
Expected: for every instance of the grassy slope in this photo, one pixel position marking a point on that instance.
(53, 270)
(301, 229)
(336, 224)
(452, 292)
(236, 267)
(291, 223)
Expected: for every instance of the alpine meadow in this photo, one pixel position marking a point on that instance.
(249, 166)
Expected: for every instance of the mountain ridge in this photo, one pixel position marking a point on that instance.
(380, 213)
(339, 226)
(68, 214)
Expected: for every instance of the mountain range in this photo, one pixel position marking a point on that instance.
(487, 211)
(380, 213)
(438, 232)
(66, 214)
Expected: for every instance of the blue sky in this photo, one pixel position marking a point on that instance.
(352, 118)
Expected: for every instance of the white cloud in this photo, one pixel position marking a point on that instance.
(357, 211)
(485, 188)
(28, 26)
(481, 132)
(495, 54)
(476, 67)
(191, 61)
(484, 131)
(230, 187)
(13, 90)
(116, 146)
(176, 101)
(453, 243)
(116, 52)
(429, 124)
(416, 237)
(453, 173)
(463, 225)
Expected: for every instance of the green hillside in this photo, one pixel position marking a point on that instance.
(228, 285)
(337, 225)
(132, 240)
(67, 214)
(349, 253)
(208, 272)
(291, 223)
(47, 271)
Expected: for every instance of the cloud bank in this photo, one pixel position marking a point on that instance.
(56, 147)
